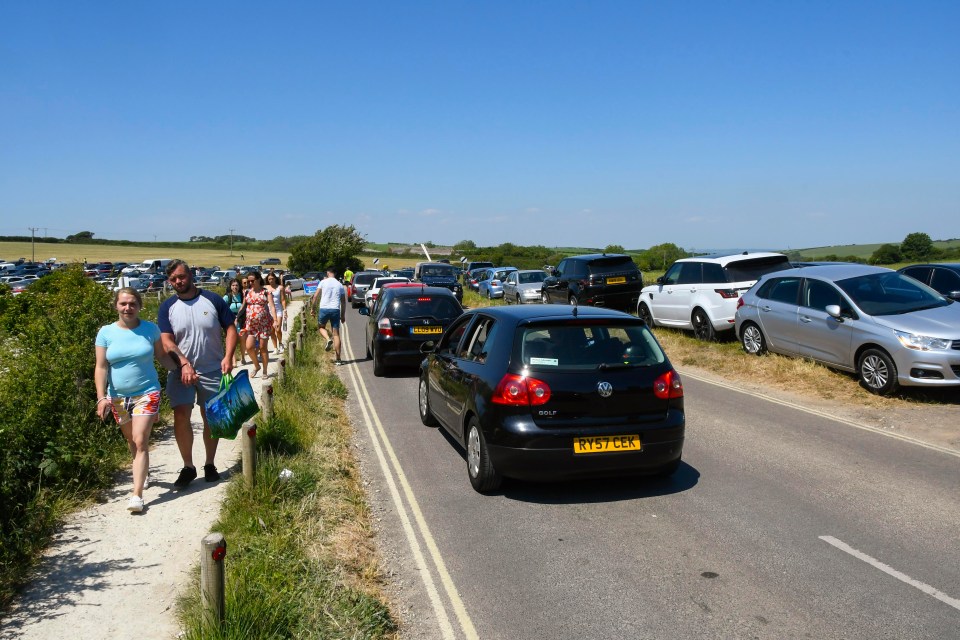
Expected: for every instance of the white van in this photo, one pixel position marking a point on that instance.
(157, 265)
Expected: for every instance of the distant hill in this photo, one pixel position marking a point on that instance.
(860, 250)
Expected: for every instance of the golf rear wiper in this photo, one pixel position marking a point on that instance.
(605, 366)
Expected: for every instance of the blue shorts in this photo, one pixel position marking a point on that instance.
(333, 315)
(207, 386)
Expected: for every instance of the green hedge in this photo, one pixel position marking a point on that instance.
(54, 451)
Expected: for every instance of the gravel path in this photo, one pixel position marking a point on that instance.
(110, 574)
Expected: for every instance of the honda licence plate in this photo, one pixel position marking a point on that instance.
(427, 330)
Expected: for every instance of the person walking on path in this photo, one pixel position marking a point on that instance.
(279, 298)
(333, 308)
(261, 318)
(127, 382)
(234, 300)
(192, 325)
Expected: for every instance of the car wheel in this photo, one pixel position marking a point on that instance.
(519, 301)
(543, 298)
(426, 416)
(877, 372)
(643, 312)
(573, 301)
(752, 339)
(489, 297)
(368, 351)
(378, 367)
(483, 476)
(702, 327)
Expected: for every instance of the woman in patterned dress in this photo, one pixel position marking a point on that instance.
(261, 317)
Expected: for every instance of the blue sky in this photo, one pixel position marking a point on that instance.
(705, 124)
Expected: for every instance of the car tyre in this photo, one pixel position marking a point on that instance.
(877, 372)
(702, 327)
(426, 416)
(483, 477)
(751, 337)
(378, 368)
(489, 296)
(543, 298)
(519, 301)
(643, 312)
(573, 301)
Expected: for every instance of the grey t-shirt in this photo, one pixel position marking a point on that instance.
(197, 326)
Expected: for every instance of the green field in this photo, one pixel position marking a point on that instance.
(93, 253)
(862, 250)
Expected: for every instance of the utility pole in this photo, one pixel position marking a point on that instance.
(231, 242)
(33, 251)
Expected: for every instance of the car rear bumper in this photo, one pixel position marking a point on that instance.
(614, 300)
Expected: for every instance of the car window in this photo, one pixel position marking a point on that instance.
(882, 294)
(673, 273)
(612, 265)
(530, 278)
(920, 273)
(819, 295)
(784, 290)
(945, 281)
(478, 342)
(451, 337)
(423, 306)
(713, 272)
(690, 273)
(572, 346)
(512, 278)
(745, 270)
(562, 268)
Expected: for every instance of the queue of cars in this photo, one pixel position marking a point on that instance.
(541, 392)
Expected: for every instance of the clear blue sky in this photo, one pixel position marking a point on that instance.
(705, 124)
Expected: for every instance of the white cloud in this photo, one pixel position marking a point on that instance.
(430, 212)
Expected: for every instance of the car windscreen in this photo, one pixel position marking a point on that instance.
(379, 282)
(423, 306)
(579, 344)
(532, 277)
(365, 278)
(748, 270)
(612, 265)
(436, 271)
(885, 294)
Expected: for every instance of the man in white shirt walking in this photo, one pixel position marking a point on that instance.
(333, 308)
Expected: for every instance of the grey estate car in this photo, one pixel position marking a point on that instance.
(888, 328)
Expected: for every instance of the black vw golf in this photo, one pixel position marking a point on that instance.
(402, 319)
(547, 392)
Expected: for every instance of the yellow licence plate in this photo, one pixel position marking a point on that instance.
(427, 330)
(619, 280)
(606, 444)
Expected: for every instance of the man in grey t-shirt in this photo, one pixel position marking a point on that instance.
(192, 324)
(332, 309)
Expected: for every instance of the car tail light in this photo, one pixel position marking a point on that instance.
(521, 390)
(727, 293)
(739, 303)
(384, 328)
(668, 386)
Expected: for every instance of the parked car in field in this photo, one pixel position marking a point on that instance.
(223, 276)
(492, 284)
(473, 266)
(403, 319)
(269, 261)
(523, 286)
(702, 293)
(887, 327)
(374, 291)
(471, 279)
(537, 393)
(944, 277)
(600, 280)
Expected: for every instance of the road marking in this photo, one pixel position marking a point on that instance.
(375, 428)
(902, 577)
(824, 414)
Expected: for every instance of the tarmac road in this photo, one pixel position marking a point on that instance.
(780, 524)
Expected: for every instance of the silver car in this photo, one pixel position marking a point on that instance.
(523, 287)
(888, 328)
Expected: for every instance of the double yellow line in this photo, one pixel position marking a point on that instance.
(411, 517)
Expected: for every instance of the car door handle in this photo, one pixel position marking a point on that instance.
(806, 319)
(765, 308)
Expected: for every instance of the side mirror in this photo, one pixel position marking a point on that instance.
(834, 311)
(954, 294)
(555, 273)
(427, 347)
(662, 280)
(364, 311)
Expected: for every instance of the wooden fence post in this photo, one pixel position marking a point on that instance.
(213, 549)
(248, 453)
(266, 399)
(281, 370)
(292, 354)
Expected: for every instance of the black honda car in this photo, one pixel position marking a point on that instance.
(404, 318)
(546, 392)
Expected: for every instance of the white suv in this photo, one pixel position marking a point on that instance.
(701, 293)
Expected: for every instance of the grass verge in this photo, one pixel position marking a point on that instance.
(301, 561)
